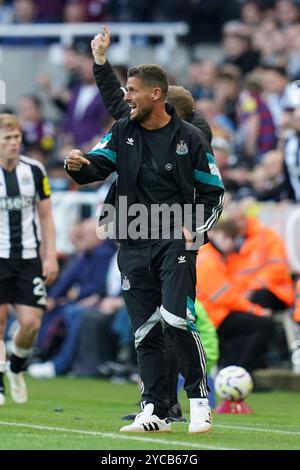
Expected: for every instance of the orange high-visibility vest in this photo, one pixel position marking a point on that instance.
(296, 315)
(217, 290)
(262, 263)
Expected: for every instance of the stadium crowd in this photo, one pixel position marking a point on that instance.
(252, 103)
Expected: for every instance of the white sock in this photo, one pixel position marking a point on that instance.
(20, 352)
(2, 366)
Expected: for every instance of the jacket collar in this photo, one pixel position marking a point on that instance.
(175, 119)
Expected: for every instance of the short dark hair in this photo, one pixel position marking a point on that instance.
(275, 68)
(35, 100)
(152, 75)
(181, 99)
(228, 227)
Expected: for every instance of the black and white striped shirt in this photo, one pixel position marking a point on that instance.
(292, 165)
(19, 191)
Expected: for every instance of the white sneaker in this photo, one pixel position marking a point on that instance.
(146, 421)
(2, 399)
(200, 416)
(45, 370)
(18, 389)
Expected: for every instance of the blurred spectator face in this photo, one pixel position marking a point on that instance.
(84, 236)
(224, 242)
(286, 12)
(277, 41)
(259, 178)
(71, 60)
(227, 87)
(193, 73)
(220, 148)
(273, 81)
(207, 72)
(25, 11)
(75, 12)
(268, 25)
(208, 108)
(28, 110)
(232, 70)
(50, 10)
(86, 68)
(37, 154)
(88, 236)
(235, 45)
(75, 236)
(296, 120)
(237, 215)
(259, 39)
(251, 13)
(291, 35)
(272, 163)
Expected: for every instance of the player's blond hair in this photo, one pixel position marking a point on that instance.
(9, 121)
(181, 99)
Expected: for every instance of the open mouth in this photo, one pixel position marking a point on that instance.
(132, 109)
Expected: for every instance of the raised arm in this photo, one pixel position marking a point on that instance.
(108, 84)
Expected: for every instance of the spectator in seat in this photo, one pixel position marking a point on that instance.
(235, 316)
(237, 43)
(256, 134)
(77, 290)
(86, 115)
(37, 131)
(259, 264)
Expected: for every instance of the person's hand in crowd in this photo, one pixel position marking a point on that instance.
(51, 303)
(90, 301)
(109, 305)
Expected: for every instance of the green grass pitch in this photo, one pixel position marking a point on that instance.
(79, 414)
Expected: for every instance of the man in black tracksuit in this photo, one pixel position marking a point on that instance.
(112, 94)
(159, 159)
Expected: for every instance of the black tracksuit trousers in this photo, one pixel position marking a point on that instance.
(158, 282)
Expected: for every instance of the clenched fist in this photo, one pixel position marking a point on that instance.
(75, 160)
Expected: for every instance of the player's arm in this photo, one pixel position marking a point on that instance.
(107, 82)
(97, 164)
(43, 192)
(49, 257)
(209, 188)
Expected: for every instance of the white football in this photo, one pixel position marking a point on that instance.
(233, 383)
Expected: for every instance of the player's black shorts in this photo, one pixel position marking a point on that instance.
(21, 282)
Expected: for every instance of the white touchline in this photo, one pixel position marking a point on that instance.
(116, 436)
(257, 429)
